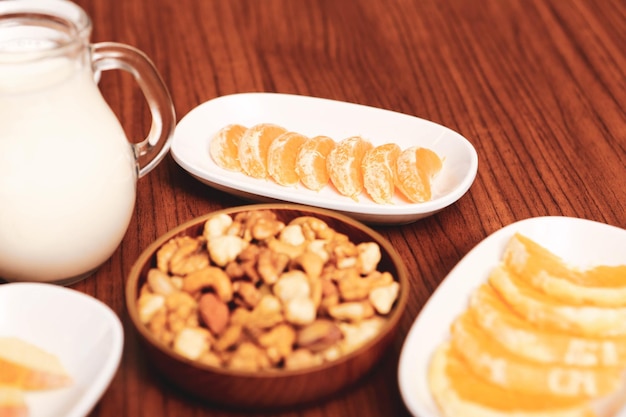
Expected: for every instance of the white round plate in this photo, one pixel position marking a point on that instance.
(316, 116)
(580, 242)
(84, 333)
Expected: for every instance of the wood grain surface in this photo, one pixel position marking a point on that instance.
(537, 86)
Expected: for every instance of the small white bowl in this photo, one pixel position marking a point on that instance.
(84, 333)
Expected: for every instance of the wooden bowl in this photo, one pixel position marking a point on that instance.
(275, 388)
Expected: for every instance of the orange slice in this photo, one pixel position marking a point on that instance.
(224, 146)
(311, 162)
(379, 172)
(253, 148)
(12, 402)
(460, 393)
(542, 345)
(602, 286)
(487, 358)
(281, 158)
(415, 168)
(546, 312)
(24, 365)
(344, 165)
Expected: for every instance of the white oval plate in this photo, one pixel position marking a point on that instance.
(84, 333)
(316, 116)
(581, 242)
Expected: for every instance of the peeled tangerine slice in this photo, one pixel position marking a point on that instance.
(281, 158)
(603, 285)
(547, 345)
(459, 392)
(26, 366)
(12, 402)
(224, 146)
(415, 168)
(254, 146)
(311, 162)
(379, 172)
(487, 358)
(546, 312)
(344, 165)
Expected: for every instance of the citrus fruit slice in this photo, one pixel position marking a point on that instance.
(281, 158)
(415, 168)
(486, 357)
(550, 345)
(224, 146)
(253, 148)
(379, 172)
(546, 312)
(311, 162)
(344, 165)
(24, 365)
(602, 285)
(12, 402)
(460, 393)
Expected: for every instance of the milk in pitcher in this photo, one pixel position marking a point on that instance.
(67, 173)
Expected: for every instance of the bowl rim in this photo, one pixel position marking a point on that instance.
(392, 321)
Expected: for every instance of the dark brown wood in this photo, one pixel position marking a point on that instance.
(537, 86)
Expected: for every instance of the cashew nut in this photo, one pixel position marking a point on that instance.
(210, 277)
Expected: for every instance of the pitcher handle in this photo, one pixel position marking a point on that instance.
(111, 55)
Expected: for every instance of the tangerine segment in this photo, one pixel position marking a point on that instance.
(311, 162)
(491, 361)
(344, 164)
(224, 146)
(379, 173)
(253, 148)
(603, 285)
(545, 311)
(548, 345)
(460, 392)
(281, 158)
(415, 168)
(12, 402)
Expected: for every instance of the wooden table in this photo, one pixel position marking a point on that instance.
(537, 86)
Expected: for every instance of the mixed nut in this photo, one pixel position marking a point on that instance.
(254, 293)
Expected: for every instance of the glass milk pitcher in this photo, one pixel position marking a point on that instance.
(68, 173)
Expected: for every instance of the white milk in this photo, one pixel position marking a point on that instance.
(67, 173)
